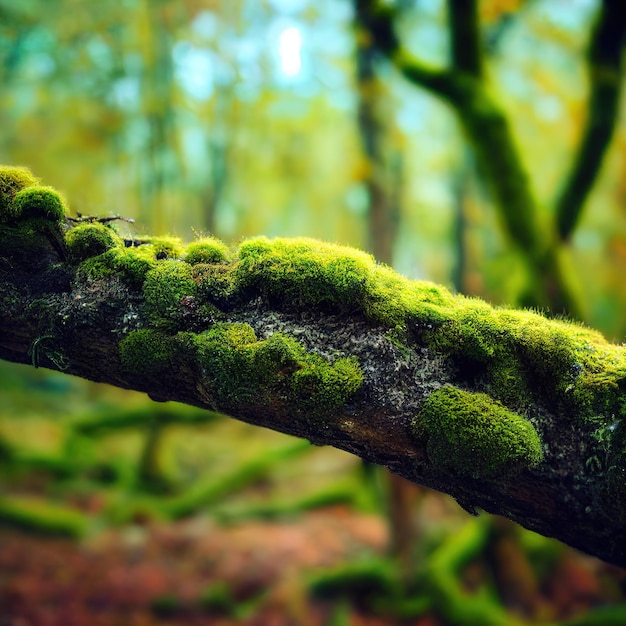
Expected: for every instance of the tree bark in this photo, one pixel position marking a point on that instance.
(505, 410)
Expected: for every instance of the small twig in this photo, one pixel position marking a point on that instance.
(80, 219)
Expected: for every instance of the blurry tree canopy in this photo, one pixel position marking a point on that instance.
(465, 88)
(505, 410)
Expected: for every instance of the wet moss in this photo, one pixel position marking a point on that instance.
(471, 435)
(89, 240)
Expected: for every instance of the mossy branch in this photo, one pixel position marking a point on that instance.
(503, 409)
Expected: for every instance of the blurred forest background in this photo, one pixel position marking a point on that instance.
(286, 118)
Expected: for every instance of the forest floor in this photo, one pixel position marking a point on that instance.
(192, 572)
(196, 572)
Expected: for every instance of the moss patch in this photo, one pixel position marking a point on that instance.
(89, 240)
(238, 369)
(169, 291)
(148, 352)
(130, 264)
(39, 202)
(13, 180)
(207, 250)
(468, 434)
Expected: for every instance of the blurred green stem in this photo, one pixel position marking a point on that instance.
(604, 69)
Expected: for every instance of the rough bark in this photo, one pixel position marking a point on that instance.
(505, 410)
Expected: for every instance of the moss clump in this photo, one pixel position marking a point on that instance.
(148, 352)
(13, 180)
(238, 369)
(130, 264)
(164, 247)
(89, 240)
(242, 368)
(39, 202)
(214, 283)
(309, 273)
(169, 291)
(471, 435)
(321, 388)
(206, 250)
(304, 272)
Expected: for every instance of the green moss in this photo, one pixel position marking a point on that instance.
(130, 264)
(24, 241)
(39, 202)
(165, 288)
(214, 283)
(148, 352)
(308, 273)
(13, 180)
(206, 250)
(239, 369)
(89, 240)
(471, 435)
(322, 387)
(522, 356)
(164, 247)
(304, 272)
(243, 369)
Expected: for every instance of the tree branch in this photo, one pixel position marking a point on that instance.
(604, 65)
(465, 43)
(504, 410)
(489, 132)
(485, 124)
